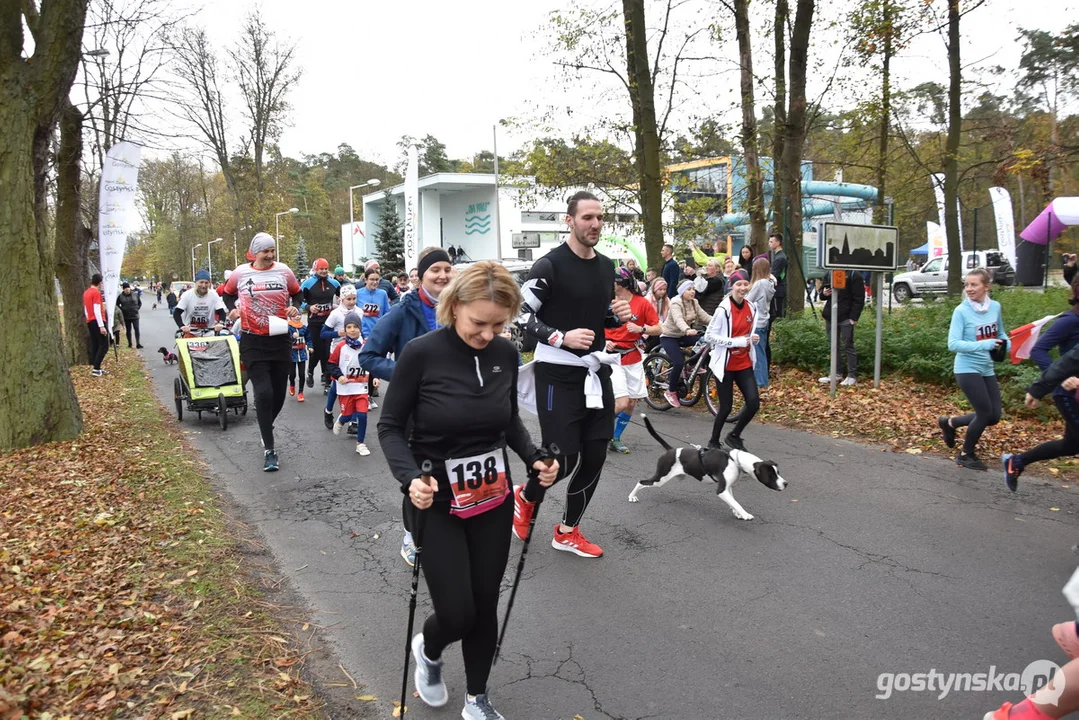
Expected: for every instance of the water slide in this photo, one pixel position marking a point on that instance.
(858, 196)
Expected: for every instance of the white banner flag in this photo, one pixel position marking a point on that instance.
(117, 217)
(1002, 210)
(412, 209)
(937, 244)
(937, 179)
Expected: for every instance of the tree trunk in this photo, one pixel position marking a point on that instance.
(72, 238)
(653, 260)
(779, 30)
(640, 81)
(879, 215)
(750, 152)
(40, 404)
(951, 152)
(794, 138)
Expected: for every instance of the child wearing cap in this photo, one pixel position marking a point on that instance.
(300, 337)
(351, 381)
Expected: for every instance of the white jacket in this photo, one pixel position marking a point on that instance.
(718, 335)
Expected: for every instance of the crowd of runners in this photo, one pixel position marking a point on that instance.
(457, 387)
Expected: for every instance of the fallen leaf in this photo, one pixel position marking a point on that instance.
(182, 714)
(1055, 509)
(366, 698)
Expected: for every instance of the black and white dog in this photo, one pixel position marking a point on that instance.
(719, 466)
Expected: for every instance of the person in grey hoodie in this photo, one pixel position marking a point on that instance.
(130, 304)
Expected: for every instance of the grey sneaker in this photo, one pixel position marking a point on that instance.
(616, 445)
(480, 709)
(428, 676)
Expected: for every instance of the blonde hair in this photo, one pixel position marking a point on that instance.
(761, 270)
(484, 280)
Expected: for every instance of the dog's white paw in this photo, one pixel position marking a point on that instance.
(743, 515)
(633, 498)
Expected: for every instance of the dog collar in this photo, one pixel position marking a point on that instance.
(700, 454)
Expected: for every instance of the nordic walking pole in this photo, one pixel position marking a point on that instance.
(552, 453)
(425, 475)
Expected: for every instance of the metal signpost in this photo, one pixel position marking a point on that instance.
(846, 246)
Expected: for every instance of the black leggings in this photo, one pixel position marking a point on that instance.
(463, 562)
(99, 344)
(983, 393)
(319, 350)
(583, 469)
(673, 348)
(269, 384)
(1068, 445)
(297, 366)
(133, 323)
(747, 385)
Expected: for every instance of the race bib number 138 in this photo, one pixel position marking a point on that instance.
(478, 483)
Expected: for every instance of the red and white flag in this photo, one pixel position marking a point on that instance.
(1025, 337)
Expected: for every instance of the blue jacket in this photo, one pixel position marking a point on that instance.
(403, 323)
(372, 306)
(973, 334)
(671, 273)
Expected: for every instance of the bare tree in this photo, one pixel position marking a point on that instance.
(35, 91)
(265, 72)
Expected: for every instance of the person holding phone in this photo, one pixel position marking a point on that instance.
(977, 337)
(1069, 261)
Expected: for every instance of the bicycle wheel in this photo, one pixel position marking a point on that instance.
(693, 384)
(657, 373)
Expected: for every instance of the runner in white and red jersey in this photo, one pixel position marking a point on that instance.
(263, 294)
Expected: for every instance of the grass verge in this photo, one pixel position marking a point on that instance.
(122, 593)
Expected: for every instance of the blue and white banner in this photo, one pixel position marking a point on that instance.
(938, 187)
(1005, 217)
(117, 216)
(412, 209)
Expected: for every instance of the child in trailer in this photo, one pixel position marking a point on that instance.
(352, 381)
(300, 336)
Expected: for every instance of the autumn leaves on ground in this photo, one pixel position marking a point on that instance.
(125, 591)
(121, 592)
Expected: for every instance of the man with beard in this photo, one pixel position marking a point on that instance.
(196, 309)
(567, 304)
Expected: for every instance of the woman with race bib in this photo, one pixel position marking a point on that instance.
(454, 402)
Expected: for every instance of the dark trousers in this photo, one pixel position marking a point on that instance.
(583, 469)
(463, 562)
(1066, 446)
(99, 344)
(320, 351)
(747, 385)
(269, 385)
(846, 341)
(673, 348)
(983, 393)
(129, 324)
(297, 368)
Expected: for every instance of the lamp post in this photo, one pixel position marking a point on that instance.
(373, 182)
(193, 260)
(209, 258)
(277, 228)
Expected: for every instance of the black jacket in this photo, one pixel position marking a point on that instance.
(1066, 366)
(129, 305)
(712, 295)
(851, 298)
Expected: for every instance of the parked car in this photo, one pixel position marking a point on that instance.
(519, 269)
(932, 278)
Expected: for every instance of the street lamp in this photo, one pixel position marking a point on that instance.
(277, 228)
(193, 260)
(209, 258)
(373, 182)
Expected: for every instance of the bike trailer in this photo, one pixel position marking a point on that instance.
(210, 366)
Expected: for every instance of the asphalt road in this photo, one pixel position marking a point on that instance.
(870, 562)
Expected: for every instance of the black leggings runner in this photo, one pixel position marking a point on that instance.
(269, 384)
(983, 393)
(582, 469)
(747, 385)
(297, 366)
(319, 350)
(463, 562)
(1068, 445)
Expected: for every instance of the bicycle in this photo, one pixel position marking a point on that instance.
(697, 380)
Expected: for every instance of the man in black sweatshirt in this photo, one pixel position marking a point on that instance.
(568, 303)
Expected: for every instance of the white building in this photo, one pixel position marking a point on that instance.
(459, 209)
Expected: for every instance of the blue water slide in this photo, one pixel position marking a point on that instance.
(857, 196)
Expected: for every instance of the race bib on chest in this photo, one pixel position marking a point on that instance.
(371, 310)
(986, 332)
(478, 483)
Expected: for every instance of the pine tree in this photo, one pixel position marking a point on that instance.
(390, 239)
(301, 265)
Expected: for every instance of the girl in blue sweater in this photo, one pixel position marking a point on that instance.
(1064, 335)
(977, 329)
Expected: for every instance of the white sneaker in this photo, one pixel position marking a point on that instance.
(372, 405)
(848, 381)
(361, 449)
(825, 380)
(428, 676)
(338, 427)
(480, 709)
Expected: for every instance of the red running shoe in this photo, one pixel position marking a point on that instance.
(291, 389)
(299, 398)
(522, 513)
(576, 543)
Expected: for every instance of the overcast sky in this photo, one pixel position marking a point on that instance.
(374, 71)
